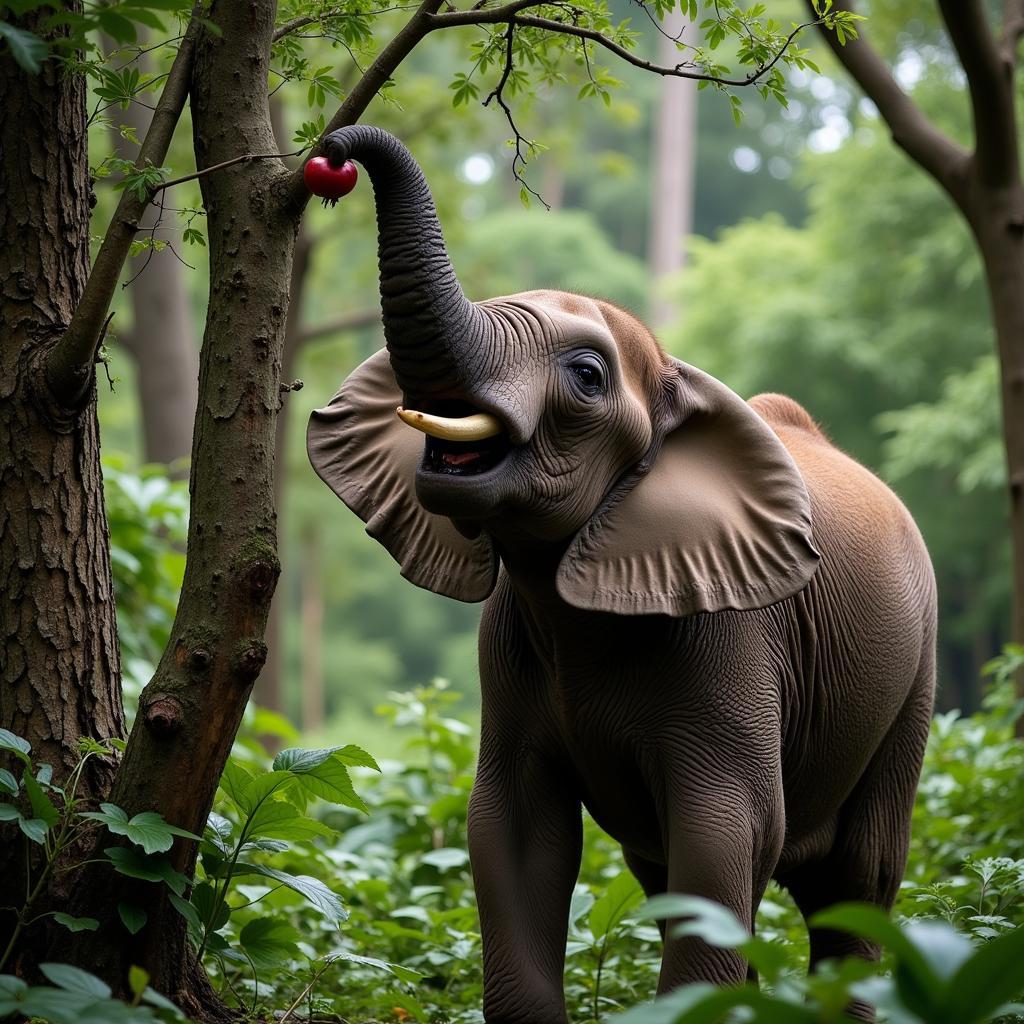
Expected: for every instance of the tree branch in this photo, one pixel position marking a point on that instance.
(375, 76)
(940, 156)
(69, 364)
(990, 82)
(511, 14)
(243, 159)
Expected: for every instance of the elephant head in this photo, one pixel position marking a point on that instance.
(548, 419)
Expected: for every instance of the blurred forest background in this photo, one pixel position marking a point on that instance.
(797, 251)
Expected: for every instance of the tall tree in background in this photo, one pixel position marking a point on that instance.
(674, 162)
(984, 182)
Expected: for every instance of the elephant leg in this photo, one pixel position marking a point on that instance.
(713, 853)
(525, 842)
(869, 853)
(653, 877)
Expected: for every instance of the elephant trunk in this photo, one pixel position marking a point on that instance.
(426, 315)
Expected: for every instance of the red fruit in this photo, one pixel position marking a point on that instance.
(327, 181)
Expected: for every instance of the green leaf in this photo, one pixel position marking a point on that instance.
(202, 899)
(138, 979)
(150, 869)
(42, 806)
(74, 979)
(15, 744)
(34, 828)
(8, 812)
(445, 858)
(12, 992)
(323, 773)
(76, 924)
(132, 917)
(146, 829)
(269, 942)
(705, 919)
(29, 51)
(406, 974)
(327, 902)
(622, 895)
(281, 820)
(8, 783)
(915, 979)
(987, 979)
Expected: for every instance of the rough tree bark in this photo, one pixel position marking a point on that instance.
(985, 185)
(59, 670)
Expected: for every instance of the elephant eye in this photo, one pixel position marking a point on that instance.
(589, 373)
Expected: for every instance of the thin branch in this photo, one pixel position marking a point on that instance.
(350, 322)
(511, 13)
(377, 74)
(318, 19)
(69, 364)
(945, 160)
(990, 82)
(243, 159)
(518, 159)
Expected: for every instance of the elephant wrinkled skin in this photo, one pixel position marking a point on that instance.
(703, 622)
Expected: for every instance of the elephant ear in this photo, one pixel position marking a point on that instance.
(368, 457)
(720, 519)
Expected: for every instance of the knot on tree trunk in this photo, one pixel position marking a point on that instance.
(163, 716)
(252, 655)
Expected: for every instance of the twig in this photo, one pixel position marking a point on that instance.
(245, 158)
(518, 160)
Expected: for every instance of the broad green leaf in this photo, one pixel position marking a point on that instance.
(261, 788)
(147, 829)
(202, 899)
(34, 828)
(234, 780)
(15, 744)
(8, 783)
(445, 858)
(8, 812)
(279, 819)
(76, 924)
(916, 980)
(406, 974)
(327, 902)
(622, 894)
(269, 942)
(130, 862)
(42, 806)
(704, 918)
(74, 979)
(12, 992)
(28, 50)
(132, 917)
(187, 911)
(989, 978)
(138, 979)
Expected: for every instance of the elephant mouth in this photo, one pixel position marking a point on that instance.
(461, 440)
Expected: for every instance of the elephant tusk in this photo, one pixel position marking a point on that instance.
(477, 427)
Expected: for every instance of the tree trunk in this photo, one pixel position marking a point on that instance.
(190, 711)
(674, 158)
(997, 219)
(59, 660)
(161, 340)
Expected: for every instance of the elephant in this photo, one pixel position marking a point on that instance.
(703, 622)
